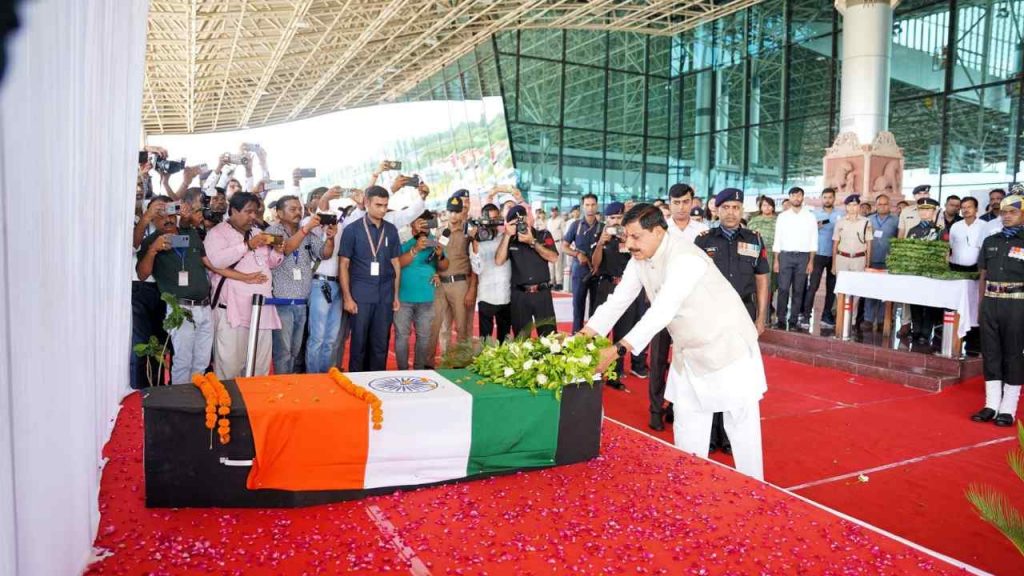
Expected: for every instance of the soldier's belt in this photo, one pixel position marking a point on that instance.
(1011, 290)
(848, 255)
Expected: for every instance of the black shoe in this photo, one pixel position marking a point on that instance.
(656, 423)
(727, 449)
(615, 384)
(639, 372)
(984, 415)
(670, 414)
(780, 326)
(1004, 420)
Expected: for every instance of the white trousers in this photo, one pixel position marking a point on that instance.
(231, 346)
(692, 431)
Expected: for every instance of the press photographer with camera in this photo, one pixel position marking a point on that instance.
(494, 281)
(422, 258)
(294, 277)
(235, 244)
(326, 318)
(609, 261)
(529, 251)
(456, 286)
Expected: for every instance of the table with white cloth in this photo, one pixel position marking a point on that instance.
(959, 298)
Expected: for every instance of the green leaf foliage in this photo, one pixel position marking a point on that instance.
(914, 257)
(995, 508)
(177, 315)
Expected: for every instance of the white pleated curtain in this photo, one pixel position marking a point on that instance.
(69, 138)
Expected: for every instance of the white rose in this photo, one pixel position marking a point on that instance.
(555, 348)
(509, 372)
(545, 341)
(586, 359)
(528, 345)
(591, 347)
(542, 379)
(569, 339)
(528, 364)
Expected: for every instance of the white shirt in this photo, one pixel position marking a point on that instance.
(796, 231)
(556, 226)
(494, 283)
(690, 233)
(965, 241)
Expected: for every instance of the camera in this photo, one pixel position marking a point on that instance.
(486, 228)
(172, 208)
(179, 241)
(392, 165)
(213, 215)
(614, 231)
(236, 159)
(251, 147)
(327, 219)
(274, 185)
(414, 181)
(307, 172)
(521, 226)
(165, 166)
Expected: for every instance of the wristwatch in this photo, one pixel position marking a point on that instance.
(621, 350)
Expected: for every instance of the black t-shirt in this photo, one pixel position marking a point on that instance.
(1002, 258)
(527, 265)
(168, 265)
(613, 259)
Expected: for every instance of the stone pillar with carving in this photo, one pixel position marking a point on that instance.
(850, 166)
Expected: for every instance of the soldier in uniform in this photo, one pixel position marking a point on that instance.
(530, 251)
(741, 256)
(1002, 314)
(923, 319)
(910, 217)
(609, 260)
(851, 244)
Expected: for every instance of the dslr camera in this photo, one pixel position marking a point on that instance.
(213, 215)
(521, 226)
(486, 228)
(165, 166)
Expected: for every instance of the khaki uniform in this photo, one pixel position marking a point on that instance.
(853, 237)
(450, 296)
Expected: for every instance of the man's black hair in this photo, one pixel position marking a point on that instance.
(191, 196)
(377, 192)
(969, 199)
(489, 208)
(997, 191)
(795, 190)
(279, 204)
(161, 198)
(588, 195)
(648, 215)
(317, 192)
(240, 200)
(952, 197)
(831, 191)
(680, 190)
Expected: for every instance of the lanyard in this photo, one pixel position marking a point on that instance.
(181, 254)
(380, 239)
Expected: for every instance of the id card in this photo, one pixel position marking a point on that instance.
(879, 233)
(183, 278)
(374, 268)
(297, 274)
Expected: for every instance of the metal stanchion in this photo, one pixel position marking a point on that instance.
(847, 304)
(254, 332)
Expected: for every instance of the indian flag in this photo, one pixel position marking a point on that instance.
(438, 426)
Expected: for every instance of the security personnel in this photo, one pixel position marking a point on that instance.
(578, 242)
(923, 319)
(741, 256)
(910, 218)
(609, 260)
(530, 251)
(1002, 314)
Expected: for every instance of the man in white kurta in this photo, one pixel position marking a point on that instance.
(716, 362)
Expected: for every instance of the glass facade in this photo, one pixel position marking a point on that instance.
(750, 100)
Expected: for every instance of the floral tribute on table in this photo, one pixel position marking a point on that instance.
(928, 258)
(360, 393)
(547, 363)
(218, 404)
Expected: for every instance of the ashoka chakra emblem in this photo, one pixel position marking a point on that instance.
(403, 384)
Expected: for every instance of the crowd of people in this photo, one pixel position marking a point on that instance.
(345, 270)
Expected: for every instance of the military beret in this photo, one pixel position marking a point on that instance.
(614, 208)
(697, 211)
(852, 198)
(461, 193)
(515, 212)
(728, 195)
(922, 189)
(455, 204)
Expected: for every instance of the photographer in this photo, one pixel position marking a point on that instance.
(493, 281)
(236, 245)
(292, 279)
(148, 310)
(530, 252)
(456, 289)
(422, 258)
(609, 260)
(326, 319)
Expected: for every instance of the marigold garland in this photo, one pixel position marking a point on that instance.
(360, 393)
(218, 403)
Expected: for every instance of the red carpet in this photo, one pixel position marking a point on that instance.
(642, 507)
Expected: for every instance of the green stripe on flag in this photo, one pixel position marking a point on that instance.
(512, 427)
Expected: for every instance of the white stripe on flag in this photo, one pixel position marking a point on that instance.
(428, 426)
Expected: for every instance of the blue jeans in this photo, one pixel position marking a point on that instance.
(420, 315)
(579, 296)
(874, 310)
(324, 326)
(288, 340)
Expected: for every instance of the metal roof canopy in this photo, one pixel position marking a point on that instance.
(217, 65)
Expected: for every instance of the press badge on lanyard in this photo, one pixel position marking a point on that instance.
(182, 274)
(296, 271)
(374, 265)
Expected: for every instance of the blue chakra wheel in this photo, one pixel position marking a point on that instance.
(403, 384)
